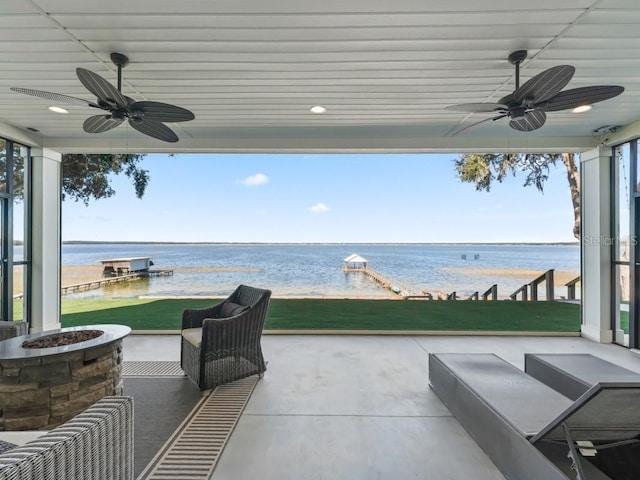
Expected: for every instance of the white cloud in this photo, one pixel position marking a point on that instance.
(319, 208)
(254, 180)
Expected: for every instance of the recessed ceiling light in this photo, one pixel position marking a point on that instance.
(581, 109)
(58, 110)
(318, 109)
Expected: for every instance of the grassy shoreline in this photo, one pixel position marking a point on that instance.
(340, 314)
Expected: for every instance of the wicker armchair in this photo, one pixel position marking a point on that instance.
(12, 329)
(221, 344)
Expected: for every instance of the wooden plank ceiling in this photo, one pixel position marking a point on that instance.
(252, 69)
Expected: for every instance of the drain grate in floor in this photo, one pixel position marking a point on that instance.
(152, 369)
(192, 452)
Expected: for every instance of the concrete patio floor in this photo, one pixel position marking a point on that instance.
(360, 407)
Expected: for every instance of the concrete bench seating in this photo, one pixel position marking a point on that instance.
(522, 424)
(572, 374)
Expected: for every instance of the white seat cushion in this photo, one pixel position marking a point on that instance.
(21, 437)
(193, 336)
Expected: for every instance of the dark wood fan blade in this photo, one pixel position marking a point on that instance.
(532, 120)
(100, 123)
(477, 107)
(581, 96)
(161, 112)
(477, 124)
(54, 97)
(101, 88)
(545, 85)
(154, 129)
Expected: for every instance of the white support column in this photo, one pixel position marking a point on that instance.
(596, 245)
(46, 240)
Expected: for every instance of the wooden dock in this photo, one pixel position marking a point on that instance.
(385, 282)
(91, 285)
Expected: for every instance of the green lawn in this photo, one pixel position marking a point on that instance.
(340, 314)
(624, 321)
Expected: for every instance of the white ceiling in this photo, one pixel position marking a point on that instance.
(250, 70)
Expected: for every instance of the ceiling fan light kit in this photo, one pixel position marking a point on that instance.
(57, 109)
(581, 109)
(145, 116)
(527, 106)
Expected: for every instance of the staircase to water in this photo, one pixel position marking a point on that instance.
(527, 292)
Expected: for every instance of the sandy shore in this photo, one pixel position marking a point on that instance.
(559, 278)
(87, 273)
(69, 276)
(80, 274)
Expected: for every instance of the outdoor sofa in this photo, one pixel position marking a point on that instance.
(12, 329)
(96, 444)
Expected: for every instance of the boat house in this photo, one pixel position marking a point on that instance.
(124, 266)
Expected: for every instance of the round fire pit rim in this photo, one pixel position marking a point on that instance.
(12, 349)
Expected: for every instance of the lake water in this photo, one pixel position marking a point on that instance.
(316, 270)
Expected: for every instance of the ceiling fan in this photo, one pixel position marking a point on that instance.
(527, 105)
(146, 117)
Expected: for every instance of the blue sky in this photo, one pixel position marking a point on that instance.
(320, 198)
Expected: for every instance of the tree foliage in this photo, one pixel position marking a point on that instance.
(17, 173)
(484, 169)
(87, 177)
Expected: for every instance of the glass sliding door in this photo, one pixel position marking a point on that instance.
(6, 238)
(5, 277)
(625, 251)
(634, 258)
(621, 244)
(15, 258)
(21, 205)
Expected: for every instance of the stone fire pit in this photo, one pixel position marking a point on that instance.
(49, 377)
(61, 339)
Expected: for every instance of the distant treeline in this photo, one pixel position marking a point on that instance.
(133, 242)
